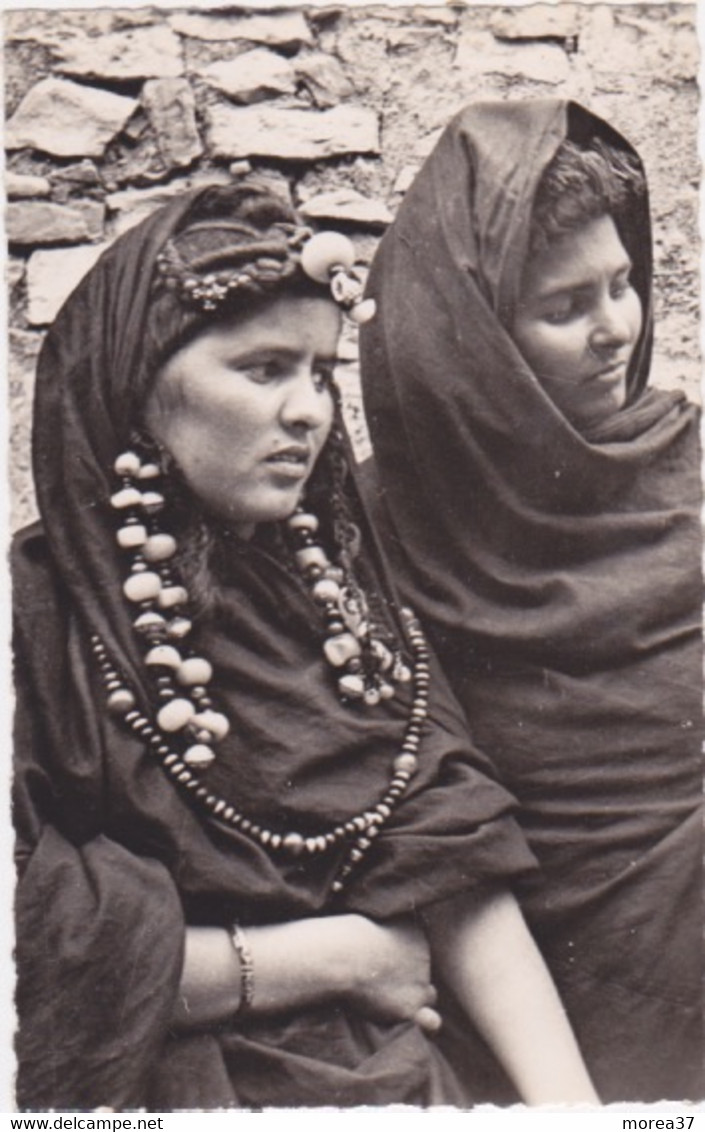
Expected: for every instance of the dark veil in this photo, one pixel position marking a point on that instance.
(506, 515)
(559, 576)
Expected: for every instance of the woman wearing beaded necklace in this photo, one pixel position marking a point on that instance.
(241, 785)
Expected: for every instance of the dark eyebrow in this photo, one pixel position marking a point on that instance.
(579, 288)
(263, 353)
(260, 353)
(559, 292)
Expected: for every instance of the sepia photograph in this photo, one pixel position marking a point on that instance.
(354, 492)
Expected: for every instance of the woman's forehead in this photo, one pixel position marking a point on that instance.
(590, 251)
(294, 323)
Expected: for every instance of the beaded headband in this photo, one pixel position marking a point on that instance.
(210, 279)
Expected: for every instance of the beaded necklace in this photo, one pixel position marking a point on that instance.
(186, 725)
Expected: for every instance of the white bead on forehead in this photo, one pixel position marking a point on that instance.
(329, 257)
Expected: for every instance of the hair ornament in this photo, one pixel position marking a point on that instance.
(329, 257)
(208, 280)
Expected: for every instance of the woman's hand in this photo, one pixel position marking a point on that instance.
(391, 969)
(381, 970)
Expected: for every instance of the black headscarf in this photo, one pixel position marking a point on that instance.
(95, 371)
(114, 854)
(518, 530)
(559, 576)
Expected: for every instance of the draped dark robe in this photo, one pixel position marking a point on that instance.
(559, 575)
(114, 861)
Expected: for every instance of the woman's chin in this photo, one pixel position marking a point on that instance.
(245, 519)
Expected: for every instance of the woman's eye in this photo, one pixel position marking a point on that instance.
(270, 370)
(567, 307)
(260, 372)
(560, 313)
(620, 287)
(323, 377)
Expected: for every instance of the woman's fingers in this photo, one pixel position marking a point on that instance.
(428, 1019)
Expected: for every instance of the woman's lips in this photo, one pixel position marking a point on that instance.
(611, 372)
(292, 462)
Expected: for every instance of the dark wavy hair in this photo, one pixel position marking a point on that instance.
(580, 184)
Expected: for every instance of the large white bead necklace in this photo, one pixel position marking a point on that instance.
(187, 726)
(368, 669)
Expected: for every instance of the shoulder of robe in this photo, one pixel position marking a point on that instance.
(37, 593)
(372, 494)
(368, 481)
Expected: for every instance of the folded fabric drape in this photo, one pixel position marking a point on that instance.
(559, 575)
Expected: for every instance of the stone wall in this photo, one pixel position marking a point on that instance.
(112, 111)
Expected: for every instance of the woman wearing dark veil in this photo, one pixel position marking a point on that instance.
(245, 801)
(543, 500)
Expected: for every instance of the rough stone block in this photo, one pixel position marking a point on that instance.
(405, 178)
(679, 55)
(434, 15)
(42, 222)
(274, 181)
(300, 135)
(53, 275)
(14, 271)
(53, 23)
(74, 178)
(252, 76)
(674, 372)
(324, 78)
(139, 164)
(130, 206)
(19, 185)
(239, 168)
(536, 21)
(171, 108)
(67, 119)
(146, 52)
(347, 205)
(22, 359)
(627, 46)
(280, 29)
(83, 173)
(129, 199)
(423, 146)
(24, 348)
(479, 53)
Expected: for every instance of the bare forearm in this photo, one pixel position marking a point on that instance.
(381, 971)
(289, 971)
(486, 955)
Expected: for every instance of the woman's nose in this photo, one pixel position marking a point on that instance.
(305, 404)
(612, 327)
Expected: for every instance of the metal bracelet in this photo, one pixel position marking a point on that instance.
(247, 969)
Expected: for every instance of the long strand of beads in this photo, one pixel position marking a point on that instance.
(406, 763)
(186, 725)
(180, 677)
(362, 828)
(368, 668)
